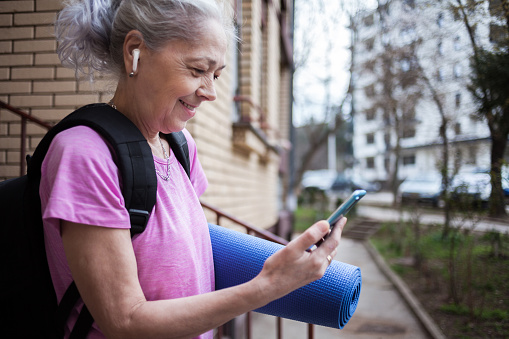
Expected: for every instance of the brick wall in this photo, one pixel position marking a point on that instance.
(243, 181)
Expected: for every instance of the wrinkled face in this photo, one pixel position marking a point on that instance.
(176, 79)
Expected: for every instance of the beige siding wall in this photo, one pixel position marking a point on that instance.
(243, 175)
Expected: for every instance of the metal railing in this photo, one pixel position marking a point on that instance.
(25, 118)
(259, 232)
(250, 229)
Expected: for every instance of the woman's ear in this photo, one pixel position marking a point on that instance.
(133, 45)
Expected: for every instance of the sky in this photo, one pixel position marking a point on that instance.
(322, 40)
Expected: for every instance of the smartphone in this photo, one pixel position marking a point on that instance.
(345, 207)
(340, 212)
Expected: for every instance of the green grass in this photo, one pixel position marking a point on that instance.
(480, 268)
(307, 216)
(496, 314)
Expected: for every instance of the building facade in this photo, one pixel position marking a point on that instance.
(239, 136)
(412, 73)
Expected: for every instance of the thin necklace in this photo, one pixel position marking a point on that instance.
(166, 157)
(167, 176)
(112, 104)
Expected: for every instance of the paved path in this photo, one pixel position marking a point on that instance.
(375, 205)
(381, 312)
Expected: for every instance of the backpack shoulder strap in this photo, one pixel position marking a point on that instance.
(178, 144)
(134, 157)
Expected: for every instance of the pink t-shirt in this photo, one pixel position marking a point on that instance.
(80, 183)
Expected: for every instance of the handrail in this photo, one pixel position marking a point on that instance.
(25, 115)
(262, 234)
(24, 118)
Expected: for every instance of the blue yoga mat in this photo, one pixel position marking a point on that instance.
(329, 301)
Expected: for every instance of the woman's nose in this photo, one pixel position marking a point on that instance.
(207, 90)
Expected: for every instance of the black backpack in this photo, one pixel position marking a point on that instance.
(28, 300)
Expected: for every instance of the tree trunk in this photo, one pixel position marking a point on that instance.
(497, 199)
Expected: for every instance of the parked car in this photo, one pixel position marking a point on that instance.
(342, 184)
(319, 179)
(361, 184)
(422, 188)
(476, 185)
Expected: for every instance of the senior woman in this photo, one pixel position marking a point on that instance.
(166, 55)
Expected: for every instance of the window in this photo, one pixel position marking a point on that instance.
(387, 164)
(409, 160)
(369, 43)
(369, 20)
(440, 75)
(370, 114)
(457, 43)
(387, 141)
(370, 162)
(369, 90)
(457, 70)
(410, 4)
(440, 20)
(457, 128)
(405, 65)
(440, 48)
(458, 100)
(408, 132)
(370, 138)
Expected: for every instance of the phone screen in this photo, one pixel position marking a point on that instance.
(345, 207)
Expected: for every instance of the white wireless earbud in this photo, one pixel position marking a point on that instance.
(136, 56)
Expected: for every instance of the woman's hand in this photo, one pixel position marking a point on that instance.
(296, 265)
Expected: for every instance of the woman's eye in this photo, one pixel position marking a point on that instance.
(216, 77)
(200, 71)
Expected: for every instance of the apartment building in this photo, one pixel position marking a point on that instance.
(412, 74)
(239, 136)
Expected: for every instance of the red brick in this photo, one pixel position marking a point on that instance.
(4, 73)
(10, 87)
(16, 60)
(9, 171)
(42, 32)
(16, 33)
(5, 46)
(43, 45)
(48, 5)
(75, 100)
(51, 114)
(32, 73)
(6, 20)
(16, 6)
(47, 59)
(54, 86)
(22, 101)
(12, 157)
(65, 73)
(31, 19)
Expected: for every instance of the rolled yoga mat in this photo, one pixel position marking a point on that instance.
(329, 301)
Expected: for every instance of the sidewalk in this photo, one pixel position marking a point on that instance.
(381, 312)
(378, 206)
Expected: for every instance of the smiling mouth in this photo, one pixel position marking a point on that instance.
(187, 106)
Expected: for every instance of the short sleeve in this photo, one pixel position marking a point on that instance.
(80, 181)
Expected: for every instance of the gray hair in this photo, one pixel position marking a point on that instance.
(91, 33)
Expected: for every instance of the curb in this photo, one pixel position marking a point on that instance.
(406, 293)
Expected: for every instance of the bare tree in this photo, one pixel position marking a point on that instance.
(396, 89)
(324, 105)
(490, 80)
